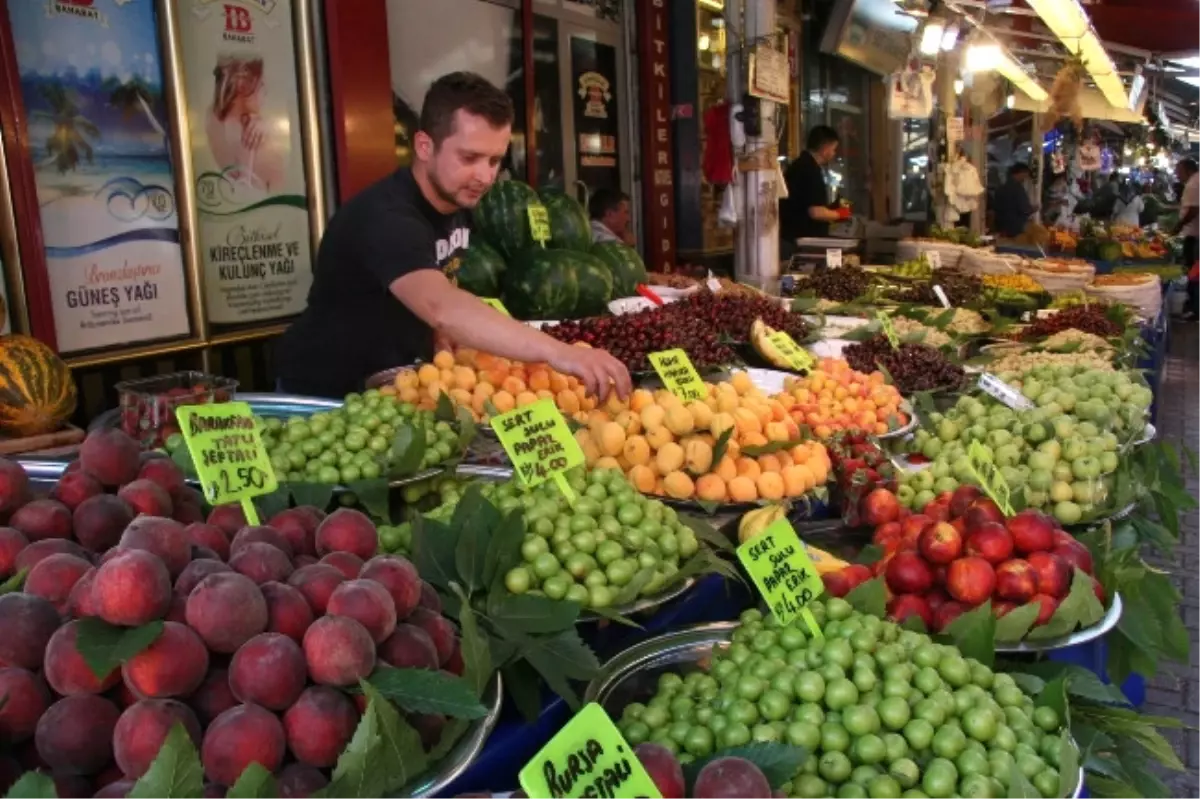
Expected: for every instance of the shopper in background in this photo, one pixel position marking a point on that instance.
(1013, 207)
(806, 212)
(1129, 210)
(380, 292)
(609, 210)
(1189, 227)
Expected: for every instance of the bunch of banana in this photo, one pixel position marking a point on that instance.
(755, 521)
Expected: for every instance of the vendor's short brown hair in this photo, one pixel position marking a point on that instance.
(469, 92)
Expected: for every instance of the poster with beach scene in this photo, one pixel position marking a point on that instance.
(243, 103)
(91, 81)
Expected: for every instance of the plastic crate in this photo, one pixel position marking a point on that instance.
(148, 404)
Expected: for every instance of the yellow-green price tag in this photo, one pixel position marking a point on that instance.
(227, 450)
(539, 223)
(889, 331)
(495, 303)
(800, 358)
(778, 562)
(989, 477)
(588, 757)
(678, 374)
(540, 444)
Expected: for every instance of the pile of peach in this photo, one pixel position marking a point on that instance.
(835, 397)
(264, 627)
(667, 447)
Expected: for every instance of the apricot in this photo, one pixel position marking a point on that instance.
(796, 480)
(147, 498)
(54, 577)
(143, 727)
(226, 610)
(748, 467)
(319, 725)
(347, 530)
(261, 534)
(110, 456)
(25, 700)
(339, 650)
(288, 611)
(399, 577)
(611, 439)
(27, 623)
(679, 420)
(439, 630)
(213, 697)
(131, 588)
(262, 563)
(316, 583)
(74, 735)
(99, 521)
(196, 571)
(669, 458)
(349, 564)
(72, 489)
(742, 489)
(268, 670)
(698, 456)
(711, 488)
(770, 485)
(41, 519)
(679, 485)
(174, 665)
(642, 478)
(238, 737)
(230, 518)
(299, 527)
(161, 536)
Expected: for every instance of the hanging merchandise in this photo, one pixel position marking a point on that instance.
(910, 94)
(1064, 95)
(1089, 156)
(718, 147)
(963, 189)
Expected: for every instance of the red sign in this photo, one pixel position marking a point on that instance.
(237, 19)
(657, 170)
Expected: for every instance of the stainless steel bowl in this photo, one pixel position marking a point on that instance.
(1102, 627)
(465, 751)
(269, 405)
(644, 604)
(388, 376)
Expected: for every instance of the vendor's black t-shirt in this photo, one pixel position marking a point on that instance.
(806, 188)
(353, 325)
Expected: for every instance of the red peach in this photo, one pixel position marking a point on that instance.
(178, 610)
(904, 605)
(438, 629)
(347, 530)
(878, 507)
(74, 735)
(1046, 607)
(455, 664)
(147, 498)
(368, 603)
(947, 613)
(664, 769)
(936, 511)
(227, 610)
(959, 524)
(908, 573)
(131, 588)
(142, 729)
(1076, 555)
(299, 527)
(174, 665)
(857, 574)
(38, 550)
(316, 583)
(99, 521)
(196, 571)
(187, 512)
(72, 489)
(886, 531)
(970, 580)
(164, 473)
(300, 561)
(1032, 531)
(914, 524)
(25, 700)
(940, 543)
(349, 564)
(65, 669)
(54, 577)
(430, 598)
(339, 651)
(230, 518)
(288, 612)
(26, 624)
(319, 725)
(42, 518)
(937, 596)
(161, 536)
(268, 670)
(836, 583)
(399, 577)
(1053, 574)
(1016, 581)
(117, 789)
(11, 543)
(962, 498)
(410, 647)
(1002, 608)
(992, 542)
(213, 697)
(263, 535)
(202, 534)
(14, 487)
(298, 781)
(262, 563)
(982, 511)
(238, 737)
(110, 456)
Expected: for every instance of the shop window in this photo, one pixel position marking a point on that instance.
(914, 168)
(547, 104)
(834, 94)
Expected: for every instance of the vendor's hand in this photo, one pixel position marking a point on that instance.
(844, 213)
(598, 370)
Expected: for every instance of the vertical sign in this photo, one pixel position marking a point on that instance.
(243, 111)
(594, 76)
(653, 57)
(92, 86)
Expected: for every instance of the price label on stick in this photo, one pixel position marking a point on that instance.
(991, 481)
(778, 562)
(228, 453)
(800, 358)
(889, 330)
(678, 374)
(934, 258)
(990, 384)
(941, 295)
(588, 757)
(540, 444)
(833, 258)
(539, 223)
(495, 303)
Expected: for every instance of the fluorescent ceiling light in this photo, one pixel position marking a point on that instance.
(931, 37)
(1071, 24)
(1009, 68)
(982, 57)
(950, 38)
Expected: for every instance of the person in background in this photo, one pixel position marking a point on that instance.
(1189, 227)
(1012, 207)
(806, 212)
(609, 210)
(1129, 211)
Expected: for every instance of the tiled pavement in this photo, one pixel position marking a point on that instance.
(1175, 691)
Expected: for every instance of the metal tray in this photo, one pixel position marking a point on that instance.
(1110, 620)
(463, 753)
(642, 605)
(271, 405)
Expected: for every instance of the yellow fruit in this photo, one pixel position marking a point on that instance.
(698, 456)
(443, 360)
(409, 394)
(614, 404)
(658, 437)
(611, 439)
(710, 487)
(642, 478)
(669, 458)
(464, 377)
(726, 469)
(460, 396)
(777, 431)
(446, 377)
(770, 485)
(702, 415)
(526, 398)
(679, 485)
(796, 480)
(679, 421)
(726, 402)
(567, 402)
(591, 452)
(428, 374)
(652, 416)
(747, 421)
(769, 463)
(753, 439)
(720, 423)
(742, 489)
(607, 462)
(741, 382)
(503, 401)
(636, 450)
(597, 420)
(747, 467)
(820, 471)
(407, 379)
(640, 400)
(630, 422)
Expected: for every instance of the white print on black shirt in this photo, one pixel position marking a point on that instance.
(457, 241)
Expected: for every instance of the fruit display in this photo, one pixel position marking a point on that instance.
(1019, 282)
(148, 405)
(835, 397)
(1087, 318)
(1072, 340)
(1069, 299)
(626, 266)
(913, 367)
(954, 321)
(138, 613)
(721, 777)
(1011, 302)
(761, 339)
(914, 269)
(960, 288)
(673, 280)
(1023, 359)
(919, 333)
(37, 389)
(672, 449)
(859, 466)
(630, 338)
(732, 315)
(839, 285)
(879, 709)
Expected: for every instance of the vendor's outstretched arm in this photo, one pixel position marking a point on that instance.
(462, 318)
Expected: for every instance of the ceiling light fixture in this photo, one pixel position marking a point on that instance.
(1070, 23)
(931, 37)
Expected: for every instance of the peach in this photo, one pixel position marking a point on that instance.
(99, 521)
(74, 735)
(940, 543)
(429, 599)
(227, 610)
(878, 507)
(70, 785)
(1046, 607)
(317, 583)
(319, 725)
(178, 610)
(339, 651)
(298, 781)
(147, 498)
(992, 542)
(299, 527)
(213, 697)
(187, 512)
(663, 767)
(110, 456)
(25, 700)
(455, 664)
(1053, 574)
(982, 511)
(261, 534)
(1032, 531)
(904, 605)
(196, 571)
(163, 537)
(204, 553)
(54, 577)
(399, 577)
(238, 737)
(262, 563)
(14, 487)
(202, 534)
(368, 603)
(438, 629)
(1016, 581)
(1076, 555)
(143, 727)
(72, 489)
(970, 580)
(27, 623)
(230, 518)
(962, 498)
(347, 530)
(42, 518)
(349, 564)
(300, 561)
(908, 573)
(268, 670)
(117, 789)
(131, 588)
(11, 543)
(174, 665)
(946, 613)
(164, 473)
(288, 612)
(409, 647)
(836, 583)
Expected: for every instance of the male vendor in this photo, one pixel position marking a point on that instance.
(806, 212)
(379, 292)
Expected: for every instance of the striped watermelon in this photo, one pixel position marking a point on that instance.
(624, 263)
(479, 270)
(595, 285)
(569, 225)
(37, 391)
(541, 284)
(501, 217)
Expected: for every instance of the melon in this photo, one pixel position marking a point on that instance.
(479, 270)
(595, 285)
(569, 225)
(37, 390)
(541, 284)
(626, 266)
(502, 217)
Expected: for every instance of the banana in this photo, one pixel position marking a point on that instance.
(758, 520)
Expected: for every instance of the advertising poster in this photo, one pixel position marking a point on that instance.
(91, 81)
(239, 65)
(594, 72)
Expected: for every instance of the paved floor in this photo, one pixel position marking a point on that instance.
(1175, 691)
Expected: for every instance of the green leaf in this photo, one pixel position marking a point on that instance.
(974, 632)
(914, 623)
(467, 429)
(398, 754)
(1068, 764)
(566, 650)
(869, 597)
(104, 647)
(1019, 787)
(14, 583)
(522, 685)
(632, 589)
(503, 552)
(611, 615)
(1054, 696)
(705, 531)
(721, 445)
(770, 448)
(426, 691)
(869, 555)
(528, 613)
(375, 496)
(318, 495)
(444, 410)
(33, 785)
(433, 549)
(778, 762)
(1013, 626)
(254, 783)
(473, 521)
(176, 770)
(476, 655)
(408, 450)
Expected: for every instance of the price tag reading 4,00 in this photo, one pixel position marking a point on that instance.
(784, 573)
(539, 443)
(800, 358)
(588, 757)
(677, 373)
(227, 450)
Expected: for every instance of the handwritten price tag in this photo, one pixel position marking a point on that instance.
(889, 330)
(228, 453)
(495, 303)
(800, 358)
(539, 223)
(934, 258)
(990, 384)
(588, 757)
(540, 444)
(784, 573)
(677, 373)
(989, 477)
(833, 258)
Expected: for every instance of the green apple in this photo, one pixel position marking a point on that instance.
(1111, 443)
(1085, 492)
(1064, 427)
(1101, 392)
(1012, 476)
(962, 470)
(1087, 430)
(1074, 449)
(947, 430)
(923, 498)
(1067, 401)
(1061, 491)
(932, 448)
(1035, 499)
(1007, 455)
(1051, 447)
(925, 479)
(1062, 471)
(1036, 433)
(1109, 462)
(1041, 461)
(1041, 479)
(905, 493)
(976, 432)
(1086, 467)
(945, 484)
(941, 468)
(1095, 446)
(998, 438)
(1047, 396)
(1032, 388)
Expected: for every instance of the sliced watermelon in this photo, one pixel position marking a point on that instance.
(541, 284)
(624, 263)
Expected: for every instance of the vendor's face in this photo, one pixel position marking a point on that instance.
(617, 220)
(826, 154)
(464, 166)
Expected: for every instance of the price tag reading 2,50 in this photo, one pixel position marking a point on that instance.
(228, 453)
(540, 444)
(677, 373)
(588, 757)
(784, 573)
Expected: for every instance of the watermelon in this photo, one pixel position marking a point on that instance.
(501, 217)
(479, 270)
(624, 263)
(595, 285)
(541, 284)
(569, 225)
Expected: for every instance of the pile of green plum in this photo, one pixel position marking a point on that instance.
(883, 712)
(442, 491)
(612, 541)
